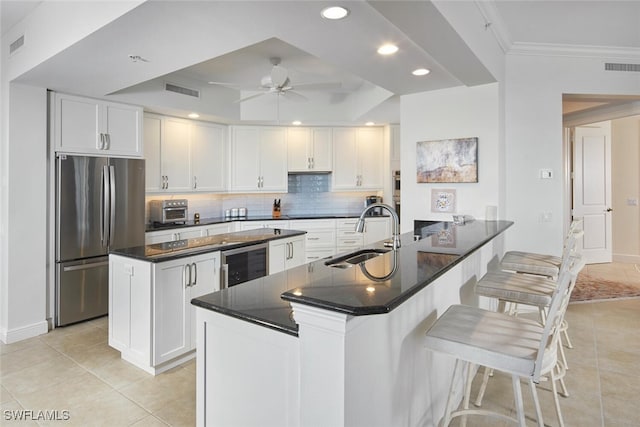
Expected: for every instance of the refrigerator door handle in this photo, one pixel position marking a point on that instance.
(104, 229)
(85, 266)
(112, 202)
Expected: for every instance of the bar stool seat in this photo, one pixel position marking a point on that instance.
(518, 288)
(531, 263)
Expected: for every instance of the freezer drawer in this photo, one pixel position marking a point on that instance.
(83, 290)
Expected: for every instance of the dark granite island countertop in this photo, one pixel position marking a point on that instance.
(198, 245)
(377, 286)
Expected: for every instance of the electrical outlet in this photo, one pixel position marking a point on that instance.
(545, 216)
(632, 202)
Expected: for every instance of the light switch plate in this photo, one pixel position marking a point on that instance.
(546, 173)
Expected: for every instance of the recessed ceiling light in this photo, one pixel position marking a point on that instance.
(369, 124)
(193, 115)
(296, 122)
(387, 49)
(421, 72)
(334, 12)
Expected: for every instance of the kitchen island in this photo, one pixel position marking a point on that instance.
(337, 342)
(151, 320)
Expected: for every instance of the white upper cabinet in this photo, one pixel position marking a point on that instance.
(258, 159)
(174, 155)
(309, 149)
(183, 156)
(90, 126)
(358, 158)
(207, 157)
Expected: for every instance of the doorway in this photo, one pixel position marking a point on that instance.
(608, 206)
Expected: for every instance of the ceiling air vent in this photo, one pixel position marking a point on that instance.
(610, 66)
(17, 44)
(182, 90)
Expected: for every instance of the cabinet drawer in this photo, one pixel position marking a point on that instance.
(317, 254)
(356, 240)
(312, 224)
(347, 223)
(321, 238)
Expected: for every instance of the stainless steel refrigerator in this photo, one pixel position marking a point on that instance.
(99, 207)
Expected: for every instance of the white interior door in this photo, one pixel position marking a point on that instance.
(592, 189)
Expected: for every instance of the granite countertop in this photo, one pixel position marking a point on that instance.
(167, 251)
(222, 220)
(377, 286)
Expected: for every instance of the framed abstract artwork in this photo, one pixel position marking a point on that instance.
(447, 160)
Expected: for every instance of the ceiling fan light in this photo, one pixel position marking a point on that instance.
(421, 72)
(334, 12)
(387, 49)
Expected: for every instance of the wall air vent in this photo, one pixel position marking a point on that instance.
(182, 90)
(17, 44)
(610, 66)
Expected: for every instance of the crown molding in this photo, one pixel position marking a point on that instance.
(495, 24)
(585, 51)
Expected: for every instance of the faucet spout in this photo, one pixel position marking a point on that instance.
(396, 222)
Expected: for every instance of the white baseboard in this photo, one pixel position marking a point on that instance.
(23, 333)
(630, 259)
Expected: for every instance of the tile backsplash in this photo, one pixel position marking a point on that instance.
(308, 194)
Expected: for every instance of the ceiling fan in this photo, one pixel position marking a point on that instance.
(277, 82)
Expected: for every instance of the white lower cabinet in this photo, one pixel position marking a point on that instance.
(151, 320)
(320, 237)
(286, 253)
(376, 229)
(253, 225)
(348, 239)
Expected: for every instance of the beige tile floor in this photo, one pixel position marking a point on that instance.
(74, 369)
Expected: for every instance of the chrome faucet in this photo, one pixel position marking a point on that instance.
(395, 243)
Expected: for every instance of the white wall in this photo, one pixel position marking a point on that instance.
(625, 168)
(24, 229)
(534, 137)
(451, 113)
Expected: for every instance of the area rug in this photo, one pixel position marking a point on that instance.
(591, 288)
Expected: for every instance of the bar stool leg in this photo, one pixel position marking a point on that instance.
(517, 392)
(483, 386)
(536, 401)
(448, 409)
(555, 397)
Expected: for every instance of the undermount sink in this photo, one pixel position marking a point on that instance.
(349, 260)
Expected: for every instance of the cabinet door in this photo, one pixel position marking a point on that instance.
(207, 157)
(153, 237)
(376, 229)
(245, 159)
(212, 230)
(175, 155)
(296, 253)
(345, 159)
(298, 142)
(171, 318)
(370, 157)
(273, 159)
(152, 135)
(122, 125)
(278, 252)
(205, 280)
(77, 124)
(322, 153)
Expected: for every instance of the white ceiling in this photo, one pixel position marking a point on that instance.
(191, 43)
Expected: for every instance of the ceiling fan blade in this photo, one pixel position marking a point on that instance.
(246, 98)
(294, 96)
(318, 86)
(279, 76)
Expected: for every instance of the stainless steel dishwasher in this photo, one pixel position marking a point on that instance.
(243, 264)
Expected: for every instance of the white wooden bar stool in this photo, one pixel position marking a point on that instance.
(517, 346)
(531, 290)
(536, 263)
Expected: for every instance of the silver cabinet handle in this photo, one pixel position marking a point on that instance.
(349, 241)
(100, 143)
(195, 182)
(107, 141)
(167, 181)
(313, 238)
(195, 274)
(309, 163)
(313, 163)
(184, 275)
(258, 181)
